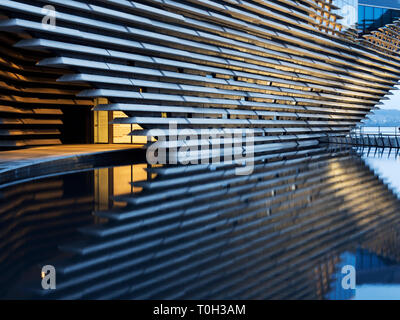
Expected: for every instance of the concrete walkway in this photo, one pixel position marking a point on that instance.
(21, 164)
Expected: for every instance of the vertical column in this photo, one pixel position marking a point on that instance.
(101, 125)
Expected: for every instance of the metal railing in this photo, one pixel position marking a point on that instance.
(359, 137)
(392, 131)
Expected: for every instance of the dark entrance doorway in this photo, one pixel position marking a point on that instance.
(77, 125)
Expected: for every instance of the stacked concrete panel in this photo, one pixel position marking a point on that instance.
(260, 64)
(31, 99)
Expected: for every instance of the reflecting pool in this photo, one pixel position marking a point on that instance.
(287, 231)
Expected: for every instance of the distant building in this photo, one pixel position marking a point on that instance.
(369, 15)
(348, 9)
(373, 14)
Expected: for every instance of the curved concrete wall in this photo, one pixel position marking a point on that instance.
(279, 67)
(32, 102)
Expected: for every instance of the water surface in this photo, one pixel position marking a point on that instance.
(202, 232)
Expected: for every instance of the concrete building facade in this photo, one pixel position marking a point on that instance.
(284, 69)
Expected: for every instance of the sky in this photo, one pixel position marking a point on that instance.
(394, 102)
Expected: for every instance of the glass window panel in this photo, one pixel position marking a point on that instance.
(361, 17)
(369, 16)
(378, 19)
(378, 13)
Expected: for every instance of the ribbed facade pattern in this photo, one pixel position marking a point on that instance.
(386, 39)
(31, 99)
(277, 67)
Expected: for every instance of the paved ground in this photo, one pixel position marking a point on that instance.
(25, 163)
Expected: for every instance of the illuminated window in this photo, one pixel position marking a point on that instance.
(106, 132)
(101, 129)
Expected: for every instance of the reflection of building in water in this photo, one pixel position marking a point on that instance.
(329, 277)
(35, 217)
(204, 232)
(374, 14)
(375, 269)
(116, 181)
(386, 246)
(372, 266)
(285, 71)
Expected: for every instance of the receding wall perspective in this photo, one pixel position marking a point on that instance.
(283, 68)
(35, 109)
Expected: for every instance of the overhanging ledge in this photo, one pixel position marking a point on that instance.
(25, 164)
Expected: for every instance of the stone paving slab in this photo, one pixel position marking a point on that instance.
(16, 165)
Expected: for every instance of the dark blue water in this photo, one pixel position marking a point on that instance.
(137, 232)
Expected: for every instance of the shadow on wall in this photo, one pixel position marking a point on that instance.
(35, 109)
